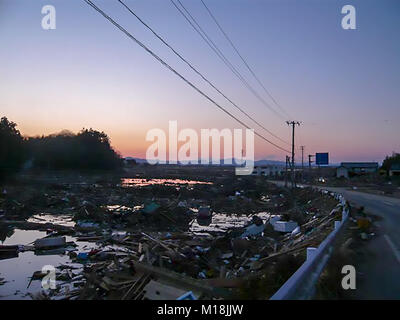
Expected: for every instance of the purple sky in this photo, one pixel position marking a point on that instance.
(342, 84)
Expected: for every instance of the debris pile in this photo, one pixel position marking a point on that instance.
(206, 240)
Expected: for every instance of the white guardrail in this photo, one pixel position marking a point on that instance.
(301, 285)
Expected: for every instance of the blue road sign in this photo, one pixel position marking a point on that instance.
(322, 158)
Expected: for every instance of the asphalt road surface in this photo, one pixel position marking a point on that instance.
(379, 274)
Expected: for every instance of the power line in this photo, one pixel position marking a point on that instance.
(302, 157)
(207, 39)
(215, 48)
(244, 60)
(165, 64)
(198, 72)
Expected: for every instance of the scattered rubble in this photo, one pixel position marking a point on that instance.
(180, 239)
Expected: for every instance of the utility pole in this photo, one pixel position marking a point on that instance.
(302, 162)
(309, 164)
(286, 165)
(293, 124)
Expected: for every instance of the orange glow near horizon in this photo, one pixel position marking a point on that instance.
(133, 144)
(342, 85)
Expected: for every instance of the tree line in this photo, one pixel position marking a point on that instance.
(390, 160)
(87, 150)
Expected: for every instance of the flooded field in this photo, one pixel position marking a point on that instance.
(17, 272)
(129, 182)
(116, 237)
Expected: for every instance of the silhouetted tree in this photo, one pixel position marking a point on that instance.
(95, 150)
(12, 152)
(390, 160)
(89, 149)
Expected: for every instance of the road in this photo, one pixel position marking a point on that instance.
(379, 273)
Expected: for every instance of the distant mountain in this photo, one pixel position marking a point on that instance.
(264, 162)
(270, 163)
(138, 160)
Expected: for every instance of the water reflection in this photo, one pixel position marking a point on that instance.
(138, 182)
(5, 232)
(17, 271)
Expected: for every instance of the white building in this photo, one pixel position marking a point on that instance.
(347, 169)
(268, 171)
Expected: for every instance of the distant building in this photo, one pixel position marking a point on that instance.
(270, 171)
(348, 169)
(394, 170)
(342, 172)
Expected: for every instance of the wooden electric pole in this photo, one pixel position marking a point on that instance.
(293, 124)
(302, 162)
(309, 164)
(286, 167)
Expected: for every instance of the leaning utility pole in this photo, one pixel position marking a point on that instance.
(293, 124)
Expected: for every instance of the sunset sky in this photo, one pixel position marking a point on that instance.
(344, 85)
